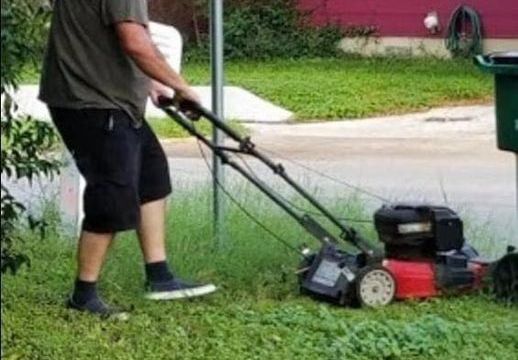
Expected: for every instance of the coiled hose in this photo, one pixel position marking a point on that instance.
(464, 36)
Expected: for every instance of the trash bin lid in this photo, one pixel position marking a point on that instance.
(502, 63)
(507, 57)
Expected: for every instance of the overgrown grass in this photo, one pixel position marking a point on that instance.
(317, 89)
(257, 314)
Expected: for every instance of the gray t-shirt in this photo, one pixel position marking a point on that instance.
(85, 66)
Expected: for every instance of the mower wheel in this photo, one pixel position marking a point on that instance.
(505, 278)
(375, 286)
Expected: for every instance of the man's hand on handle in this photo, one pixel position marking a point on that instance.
(159, 91)
(186, 101)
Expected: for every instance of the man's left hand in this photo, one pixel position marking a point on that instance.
(159, 90)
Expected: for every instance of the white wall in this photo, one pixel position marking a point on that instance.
(414, 46)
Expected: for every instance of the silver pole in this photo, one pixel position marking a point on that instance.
(216, 29)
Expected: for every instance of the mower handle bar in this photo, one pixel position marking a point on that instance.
(178, 112)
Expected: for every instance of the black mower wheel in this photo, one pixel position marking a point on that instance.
(505, 278)
(375, 286)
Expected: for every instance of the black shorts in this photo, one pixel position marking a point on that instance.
(123, 166)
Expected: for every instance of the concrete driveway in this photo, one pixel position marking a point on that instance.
(442, 156)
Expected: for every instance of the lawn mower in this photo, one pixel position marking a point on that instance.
(425, 254)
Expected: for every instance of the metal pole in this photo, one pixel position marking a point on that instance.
(216, 29)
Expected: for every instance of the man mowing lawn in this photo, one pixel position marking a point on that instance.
(99, 69)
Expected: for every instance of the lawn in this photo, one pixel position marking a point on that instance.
(257, 314)
(326, 89)
(318, 89)
(166, 128)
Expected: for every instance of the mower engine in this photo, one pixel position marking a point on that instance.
(425, 253)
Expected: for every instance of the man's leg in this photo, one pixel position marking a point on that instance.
(154, 187)
(161, 283)
(151, 234)
(106, 149)
(91, 254)
(151, 231)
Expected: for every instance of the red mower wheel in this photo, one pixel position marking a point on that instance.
(375, 286)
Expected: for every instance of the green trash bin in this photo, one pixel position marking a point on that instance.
(504, 65)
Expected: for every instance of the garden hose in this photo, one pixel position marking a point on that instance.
(464, 36)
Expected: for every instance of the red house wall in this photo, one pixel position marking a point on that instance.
(405, 17)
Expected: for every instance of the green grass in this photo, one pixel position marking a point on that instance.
(350, 87)
(321, 89)
(166, 128)
(257, 314)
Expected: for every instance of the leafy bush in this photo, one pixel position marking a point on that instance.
(271, 29)
(24, 141)
(24, 28)
(275, 29)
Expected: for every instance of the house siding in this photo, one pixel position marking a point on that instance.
(405, 17)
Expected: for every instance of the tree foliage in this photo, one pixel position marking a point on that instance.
(25, 141)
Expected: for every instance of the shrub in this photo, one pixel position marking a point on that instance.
(25, 141)
(271, 29)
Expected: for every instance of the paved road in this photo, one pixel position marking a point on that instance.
(447, 155)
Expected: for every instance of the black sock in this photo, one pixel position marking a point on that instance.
(84, 291)
(158, 272)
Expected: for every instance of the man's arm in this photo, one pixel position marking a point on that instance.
(137, 44)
